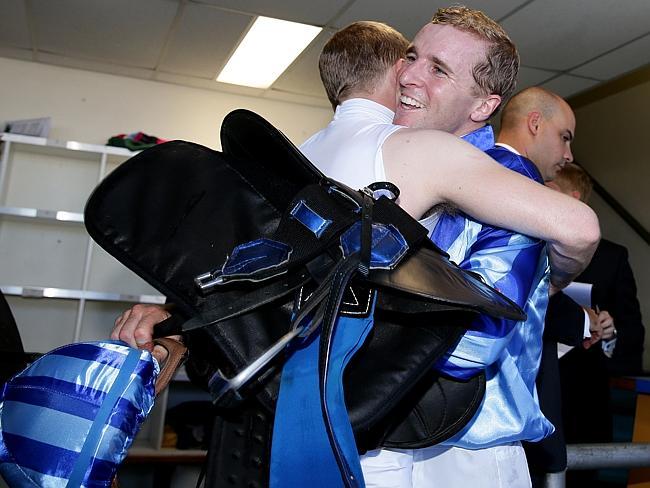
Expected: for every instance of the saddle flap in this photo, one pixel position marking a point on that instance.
(245, 135)
(175, 210)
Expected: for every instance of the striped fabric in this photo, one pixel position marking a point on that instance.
(70, 417)
(509, 352)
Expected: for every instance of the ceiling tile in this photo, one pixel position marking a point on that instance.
(560, 34)
(303, 76)
(532, 77)
(123, 31)
(413, 14)
(618, 62)
(13, 25)
(309, 12)
(203, 41)
(567, 85)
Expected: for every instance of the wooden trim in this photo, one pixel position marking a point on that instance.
(617, 85)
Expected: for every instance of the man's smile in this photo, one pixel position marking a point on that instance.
(408, 102)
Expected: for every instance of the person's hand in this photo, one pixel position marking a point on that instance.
(607, 324)
(135, 327)
(595, 328)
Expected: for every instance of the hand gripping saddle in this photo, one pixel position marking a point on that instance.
(261, 253)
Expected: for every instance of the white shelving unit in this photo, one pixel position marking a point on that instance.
(60, 285)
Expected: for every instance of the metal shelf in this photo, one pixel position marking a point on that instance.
(36, 175)
(68, 145)
(40, 214)
(63, 293)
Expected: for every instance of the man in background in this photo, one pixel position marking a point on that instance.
(613, 292)
(541, 126)
(585, 400)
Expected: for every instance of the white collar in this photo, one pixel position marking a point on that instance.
(360, 105)
(509, 148)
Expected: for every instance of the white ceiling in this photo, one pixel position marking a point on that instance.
(565, 45)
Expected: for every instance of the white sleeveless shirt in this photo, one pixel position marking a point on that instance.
(349, 148)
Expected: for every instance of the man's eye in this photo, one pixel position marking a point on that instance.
(438, 70)
(410, 58)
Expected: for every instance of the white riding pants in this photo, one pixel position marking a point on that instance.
(447, 467)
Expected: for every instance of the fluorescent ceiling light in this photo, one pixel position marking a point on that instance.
(268, 49)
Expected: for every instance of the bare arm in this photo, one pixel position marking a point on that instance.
(432, 167)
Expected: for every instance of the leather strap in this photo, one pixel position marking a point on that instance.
(344, 272)
(248, 302)
(366, 235)
(176, 355)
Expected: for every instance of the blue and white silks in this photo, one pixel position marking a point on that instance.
(482, 138)
(70, 417)
(509, 351)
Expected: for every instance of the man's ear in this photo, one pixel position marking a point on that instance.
(532, 121)
(576, 194)
(398, 66)
(487, 107)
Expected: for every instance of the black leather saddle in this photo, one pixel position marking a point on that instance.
(190, 220)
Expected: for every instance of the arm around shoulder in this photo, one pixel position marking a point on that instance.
(432, 167)
(570, 253)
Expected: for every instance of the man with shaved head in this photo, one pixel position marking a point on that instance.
(539, 125)
(537, 128)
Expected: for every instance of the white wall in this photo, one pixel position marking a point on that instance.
(90, 107)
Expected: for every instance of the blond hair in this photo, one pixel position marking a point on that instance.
(497, 74)
(573, 177)
(357, 57)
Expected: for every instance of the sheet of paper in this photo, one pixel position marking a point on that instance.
(562, 349)
(580, 293)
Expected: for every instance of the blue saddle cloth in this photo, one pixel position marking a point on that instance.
(69, 418)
